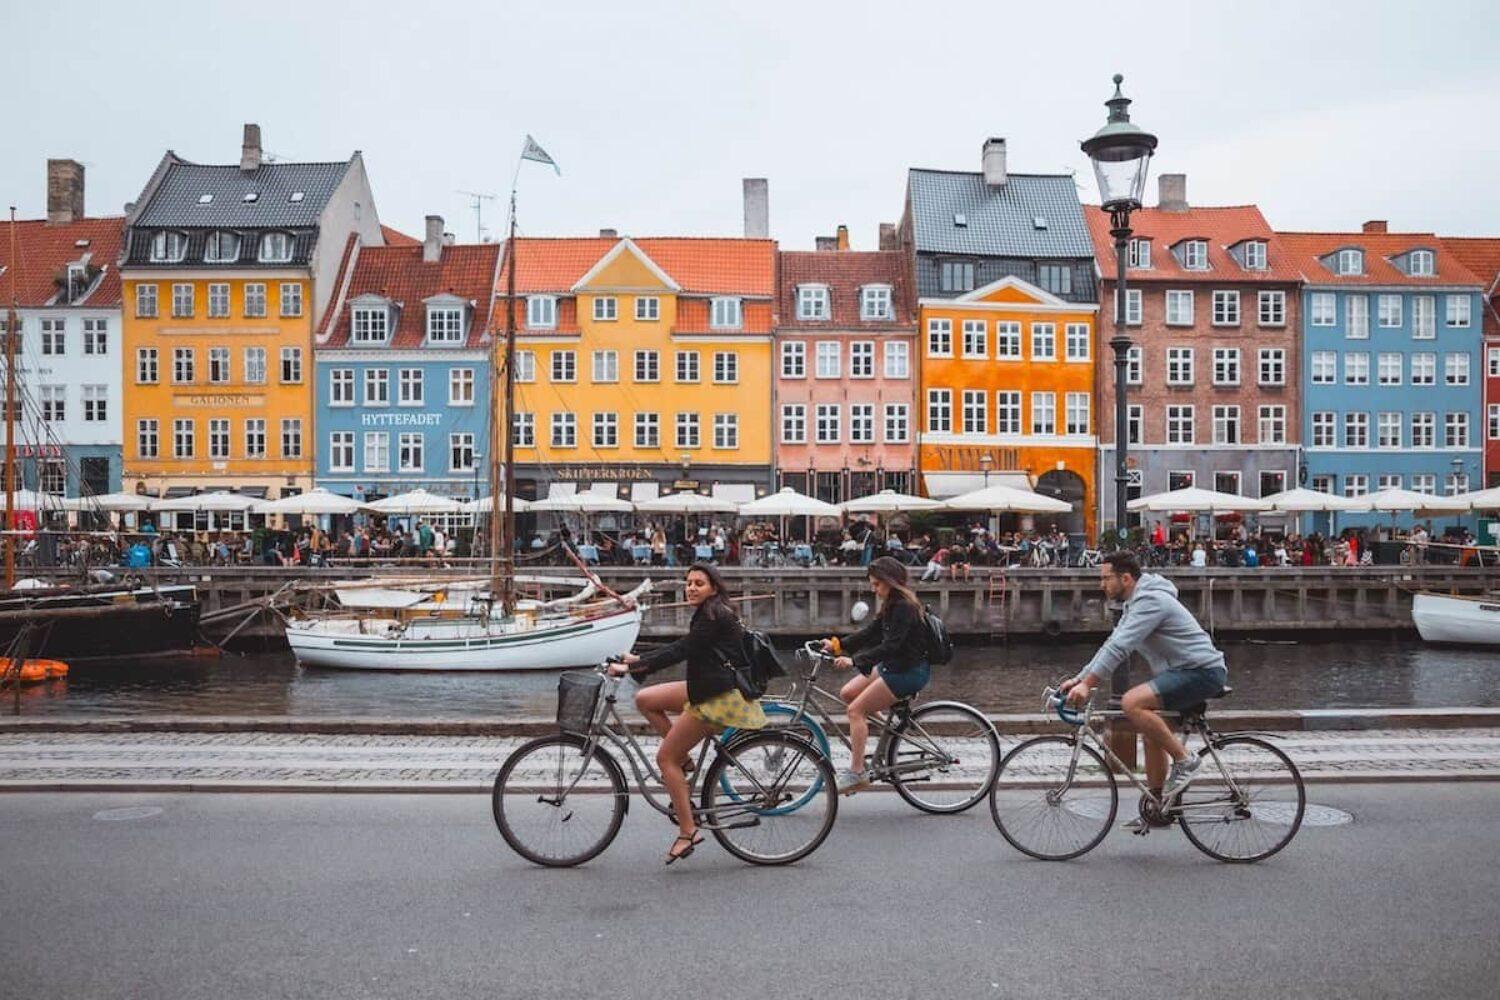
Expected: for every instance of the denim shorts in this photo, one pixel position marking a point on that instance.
(1183, 688)
(908, 682)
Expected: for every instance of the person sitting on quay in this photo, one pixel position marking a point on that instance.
(935, 563)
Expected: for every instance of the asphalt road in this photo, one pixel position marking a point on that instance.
(327, 896)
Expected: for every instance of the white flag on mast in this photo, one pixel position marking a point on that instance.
(537, 153)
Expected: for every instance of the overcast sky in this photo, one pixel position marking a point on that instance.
(1325, 114)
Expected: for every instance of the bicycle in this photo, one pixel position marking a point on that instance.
(567, 789)
(941, 756)
(1055, 797)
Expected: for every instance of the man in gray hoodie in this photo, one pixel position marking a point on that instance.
(1186, 668)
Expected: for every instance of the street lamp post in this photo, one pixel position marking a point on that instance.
(1121, 153)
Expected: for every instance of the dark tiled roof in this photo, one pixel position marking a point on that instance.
(176, 200)
(43, 251)
(845, 272)
(399, 274)
(138, 250)
(1222, 227)
(999, 222)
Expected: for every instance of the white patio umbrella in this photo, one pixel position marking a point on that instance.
(417, 501)
(1007, 500)
(487, 505)
(582, 502)
(314, 501)
(1398, 501)
(889, 502)
(24, 499)
(788, 503)
(1193, 500)
(1480, 500)
(219, 500)
(109, 502)
(1305, 501)
(687, 503)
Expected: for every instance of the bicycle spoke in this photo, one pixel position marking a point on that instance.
(1047, 808)
(1247, 804)
(555, 805)
(943, 758)
(762, 775)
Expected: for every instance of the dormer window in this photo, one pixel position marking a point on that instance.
(276, 248)
(541, 312)
(168, 247)
(370, 324)
(1140, 254)
(445, 324)
(1419, 264)
(1195, 255)
(725, 313)
(221, 248)
(812, 302)
(875, 302)
(1255, 255)
(1351, 262)
(77, 282)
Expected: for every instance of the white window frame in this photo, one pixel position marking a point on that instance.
(1388, 429)
(145, 301)
(897, 423)
(1389, 310)
(563, 367)
(1323, 309)
(875, 303)
(377, 387)
(1325, 426)
(828, 361)
(897, 359)
(1351, 262)
(828, 420)
(861, 423)
(1270, 308)
(1179, 307)
(289, 297)
(1008, 412)
(1255, 255)
(564, 427)
(541, 312)
(1226, 424)
(687, 367)
(1138, 256)
(369, 325)
(461, 386)
(1357, 317)
(1271, 424)
(1390, 368)
(974, 339)
(1458, 311)
(1271, 366)
(255, 299)
(605, 366)
(218, 300)
(1424, 368)
(276, 248)
(1195, 255)
(377, 451)
(1226, 307)
(1180, 366)
(1007, 340)
(168, 247)
(1456, 369)
(974, 411)
(726, 313)
(445, 324)
(1424, 429)
(861, 359)
(1044, 335)
(340, 387)
(793, 359)
(794, 423)
(1356, 368)
(411, 387)
(184, 300)
(341, 451)
(606, 309)
(147, 366)
(605, 431)
(290, 369)
(1419, 264)
(411, 452)
(813, 303)
(726, 431)
(1456, 430)
(645, 367)
(219, 368)
(939, 411)
(1078, 413)
(647, 308)
(1182, 424)
(1226, 370)
(1357, 429)
(1043, 413)
(1423, 317)
(1076, 342)
(688, 431)
(1135, 365)
(939, 337)
(726, 368)
(647, 430)
(147, 438)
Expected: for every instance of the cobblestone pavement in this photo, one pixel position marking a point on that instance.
(327, 762)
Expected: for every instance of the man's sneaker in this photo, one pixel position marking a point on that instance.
(848, 782)
(1181, 774)
(1137, 826)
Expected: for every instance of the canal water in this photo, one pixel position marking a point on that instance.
(1000, 677)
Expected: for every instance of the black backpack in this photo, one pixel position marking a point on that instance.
(939, 643)
(759, 665)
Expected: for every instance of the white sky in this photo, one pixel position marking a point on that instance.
(1325, 113)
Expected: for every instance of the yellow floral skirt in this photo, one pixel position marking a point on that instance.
(729, 710)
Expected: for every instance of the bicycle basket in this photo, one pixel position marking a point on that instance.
(577, 699)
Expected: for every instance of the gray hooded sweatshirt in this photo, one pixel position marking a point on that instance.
(1156, 625)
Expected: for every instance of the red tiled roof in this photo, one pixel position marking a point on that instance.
(845, 272)
(1481, 255)
(399, 274)
(396, 238)
(1307, 249)
(1222, 227)
(42, 252)
(700, 265)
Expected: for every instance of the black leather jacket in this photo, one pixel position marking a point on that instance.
(714, 637)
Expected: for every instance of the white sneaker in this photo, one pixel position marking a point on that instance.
(1180, 776)
(848, 782)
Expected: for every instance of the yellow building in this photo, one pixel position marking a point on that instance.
(643, 362)
(225, 273)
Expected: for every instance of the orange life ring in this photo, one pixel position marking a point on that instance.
(33, 671)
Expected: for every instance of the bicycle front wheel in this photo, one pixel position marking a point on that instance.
(1054, 799)
(557, 806)
(942, 758)
(764, 772)
(1247, 806)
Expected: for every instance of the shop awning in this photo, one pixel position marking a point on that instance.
(942, 485)
(555, 490)
(736, 492)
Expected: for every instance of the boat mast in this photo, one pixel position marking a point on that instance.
(12, 335)
(502, 559)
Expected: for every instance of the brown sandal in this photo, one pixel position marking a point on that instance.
(692, 842)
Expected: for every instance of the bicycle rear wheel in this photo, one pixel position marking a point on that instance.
(556, 806)
(763, 772)
(1046, 807)
(943, 756)
(1249, 808)
(784, 717)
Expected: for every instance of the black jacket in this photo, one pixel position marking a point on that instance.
(896, 639)
(713, 637)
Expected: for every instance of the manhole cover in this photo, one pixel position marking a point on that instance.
(128, 812)
(1267, 812)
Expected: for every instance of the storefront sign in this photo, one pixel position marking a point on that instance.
(218, 399)
(400, 419)
(602, 472)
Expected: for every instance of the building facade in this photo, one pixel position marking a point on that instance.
(1391, 378)
(1482, 257)
(845, 348)
(65, 280)
(1213, 308)
(227, 271)
(404, 370)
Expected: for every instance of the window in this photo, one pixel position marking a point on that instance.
(606, 366)
(1455, 369)
(54, 337)
(341, 451)
(255, 438)
(1455, 483)
(1226, 366)
(648, 430)
(793, 423)
(168, 247)
(687, 366)
(1357, 317)
(1255, 255)
(377, 451)
(1133, 420)
(1323, 484)
(291, 299)
(1419, 264)
(95, 404)
(564, 430)
(976, 338)
(564, 366)
(541, 312)
(726, 430)
(1272, 308)
(377, 387)
(276, 248)
(898, 357)
(828, 361)
(1388, 308)
(1180, 421)
(1179, 366)
(1055, 278)
(1493, 429)
(1424, 430)
(1007, 340)
(1356, 368)
(54, 403)
(445, 325)
(1044, 413)
(1389, 368)
(1078, 412)
(1044, 341)
(606, 308)
(727, 366)
(1458, 310)
(897, 423)
(1135, 365)
(1195, 255)
(523, 431)
(1077, 342)
(1133, 306)
(461, 452)
(1226, 424)
(183, 435)
(1323, 429)
(411, 387)
(1456, 430)
(956, 276)
(147, 439)
(1226, 308)
(1007, 412)
(218, 438)
(1181, 480)
(183, 364)
(827, 423)
(647, 366)
(1423, 317)
(1271, 425)
(1424, 482)
(291, 438)
(255, 299)
(525, 366)
(1272, 366)
(1324, 309)
(975, 412)
(812, 302)
(1493, 364)
(940, 338)
(1227, 482)
(145, 301)
(218, 364)
(939, 411)
(1388, 430)
(1424, 369)
(1356, 484)
(409, 448)
(793, 359)
(218, 300)
(647, 308)
(291, 365)
(1356, 430)
(606, 430)
(460, 387)
(1351, 262)
(1325, 367)
(862, 359)
(182, 300)
(1140, 254)
(1179, 308)
(725, 313)
(1272, 482)
(687, 430)
(370, 325)
(875, 302)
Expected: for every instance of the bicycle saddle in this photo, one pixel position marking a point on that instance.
(1202, 706)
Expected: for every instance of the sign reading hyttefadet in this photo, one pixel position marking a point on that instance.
(400, 419)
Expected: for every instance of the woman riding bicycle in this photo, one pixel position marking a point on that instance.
(890, 653)
(705, 704)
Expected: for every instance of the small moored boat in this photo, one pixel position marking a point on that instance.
(1457, 620)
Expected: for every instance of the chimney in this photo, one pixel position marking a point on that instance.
(1171, 193)
(1373, 226)
(842, 238)
(609, 234)
(993, 162)
(250, 148)
(64, 191)
(822, 243)
(432, 245)
(757, 208)
(888, 236)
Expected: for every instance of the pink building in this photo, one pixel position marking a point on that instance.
(845, 388)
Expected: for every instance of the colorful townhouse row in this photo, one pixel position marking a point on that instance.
(252, 326)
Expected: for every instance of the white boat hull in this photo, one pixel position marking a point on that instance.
(463, 644)
(1470, 621)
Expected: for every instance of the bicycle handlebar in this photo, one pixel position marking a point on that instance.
(1053, 700)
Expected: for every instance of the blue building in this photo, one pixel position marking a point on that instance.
(403, 367)
(1392, 383)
